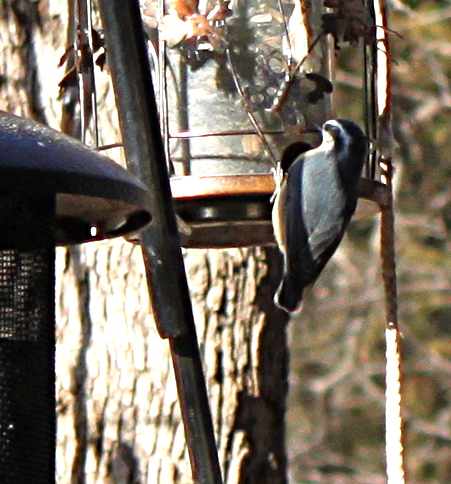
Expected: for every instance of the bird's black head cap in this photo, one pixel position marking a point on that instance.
(350, 149)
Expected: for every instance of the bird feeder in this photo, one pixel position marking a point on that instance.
(237, 85)
(53, 190)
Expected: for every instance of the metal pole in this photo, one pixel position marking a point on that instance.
(168, 288)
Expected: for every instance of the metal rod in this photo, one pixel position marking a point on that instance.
(85, 68)
(168, 288)
(205, 134)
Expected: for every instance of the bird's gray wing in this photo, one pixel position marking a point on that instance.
(323, 202)
(325, 236)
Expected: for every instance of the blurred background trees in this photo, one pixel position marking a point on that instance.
(337, 346)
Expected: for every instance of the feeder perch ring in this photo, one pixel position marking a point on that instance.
(235, 210)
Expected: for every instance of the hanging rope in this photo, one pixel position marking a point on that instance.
(393, 418)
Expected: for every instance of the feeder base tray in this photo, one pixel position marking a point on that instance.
(235, 210)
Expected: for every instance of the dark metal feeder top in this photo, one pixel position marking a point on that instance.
(95, 197)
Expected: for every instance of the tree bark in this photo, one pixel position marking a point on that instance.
(118, 409)
(118, 414)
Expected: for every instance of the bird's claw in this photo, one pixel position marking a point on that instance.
(277, 173)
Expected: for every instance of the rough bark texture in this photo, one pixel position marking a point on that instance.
(118, 414)
(118, 411)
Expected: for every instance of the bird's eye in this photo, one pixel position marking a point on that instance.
(333, 129)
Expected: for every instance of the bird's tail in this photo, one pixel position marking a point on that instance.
(289, 294)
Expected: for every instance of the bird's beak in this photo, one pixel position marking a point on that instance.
(316, 128)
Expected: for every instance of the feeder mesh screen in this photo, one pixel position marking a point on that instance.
(27, 341)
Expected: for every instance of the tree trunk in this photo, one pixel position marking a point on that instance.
(118, 414)
(118, 410)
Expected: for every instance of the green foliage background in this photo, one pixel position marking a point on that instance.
(336, 417)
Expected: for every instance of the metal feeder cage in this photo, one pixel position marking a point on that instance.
(53, 190)
(236, 86)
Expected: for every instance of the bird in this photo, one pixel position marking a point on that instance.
(313, 204)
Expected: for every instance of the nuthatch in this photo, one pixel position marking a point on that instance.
(313, 206)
